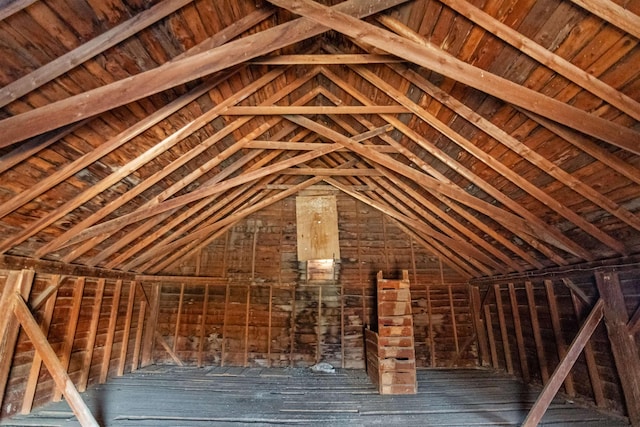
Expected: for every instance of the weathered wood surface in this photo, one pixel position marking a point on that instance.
(168, 396)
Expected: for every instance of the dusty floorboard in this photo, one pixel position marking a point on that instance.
(172, 396)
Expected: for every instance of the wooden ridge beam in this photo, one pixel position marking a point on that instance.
(330, 172)
(277, 110)
(307, 146)
(335, 59)
(433, 58)
(171, 74)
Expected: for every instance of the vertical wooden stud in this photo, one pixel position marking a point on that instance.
(127, 328)
(476, 310)
(517, 325)
(537, 337)
(269, 327)
(224, 324)
(176, 332)
(91, 340)
(36, 365)
(557, 333)
(319, 327)
(589, 355)
(137, 347)
(246, 327)
(386, 243)
(342, 343)
(503, 329)
(492, 341)
(623, 344)
(292, 327)
(149, 332)
(203, 325)
(454, 323)
(111, 331)
(67, 345)
(432, 341)
(21, 282)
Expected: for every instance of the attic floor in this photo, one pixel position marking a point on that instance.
(189, 396)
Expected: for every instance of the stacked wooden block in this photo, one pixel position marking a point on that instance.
(391, 360)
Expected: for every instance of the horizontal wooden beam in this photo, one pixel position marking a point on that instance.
(339, 59)
(277, 110)
(11, 262)
(320, 187)
(330, 172)
(307, 146)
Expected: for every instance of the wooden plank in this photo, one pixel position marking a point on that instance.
(137, 346)
(176, 331)
(168, 349)
(535, 326)
(224, 324)
(492, 342)
(623, 344)
(614, 14)
(478, 324)
(246, 327)
(557, 333)
(10, 262)
(50, 359)
(91, 340)
(111, 332)
(13, 7)
(50, 292)
(634, 322)
(70, 333)
(316, 59)
(438, 60)
(172, 74)
(271, 311)
(452, 310)
(149, 331)
(277, 110)
(517, 326)
(36, 365)
(127, 328)
(575, 348)
(503, 329)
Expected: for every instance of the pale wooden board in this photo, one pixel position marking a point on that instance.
(317, 227)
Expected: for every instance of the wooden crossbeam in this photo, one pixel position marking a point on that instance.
(275, 110)
(316, 59)
(50, 359)
(564, 367)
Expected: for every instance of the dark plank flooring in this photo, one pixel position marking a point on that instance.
(214, 396)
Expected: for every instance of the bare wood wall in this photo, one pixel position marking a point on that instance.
(526, 326)
(92, 324)
(261, 310)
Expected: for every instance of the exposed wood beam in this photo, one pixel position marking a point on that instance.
(93, 47)
(562, 370)
(320, 187)
(304, 146)
(338, 59)
(535, 51)
(530, 155)
(613, 14)
(433, 58)
(171, 74)
(50, 359)
(15, 6)
(53, 267)
(499, 167)
(276, 110)
(330, 172)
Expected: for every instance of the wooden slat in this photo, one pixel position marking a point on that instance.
(575, 348)
(433, 58)
(623, 344)
(50, 359)
(70, 333)
(111, 330)
(13, 7)
(172, 74)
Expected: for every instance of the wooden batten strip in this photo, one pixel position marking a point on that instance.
(36, 365)
(564, 367)
(91, 340)
(50, 359)
(111, 331)
(70, 333)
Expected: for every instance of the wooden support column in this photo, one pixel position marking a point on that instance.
(503, 329)
(492, 342)
(111, 332)
(517, 325)
(17, 281)
(270, 321)
(623, 343)
(246, 328)
(50, 359)
(176, 332)
(557, 333)
(91, 340)
(36, 365)
(150, 328)
(67, 345)
(432, 341)
(319, 327)
(224, 324)
(476, 310)
(537, 337)
(553, 385)
(127, 328)
(203, 325)
(137, 347)
(292, 327)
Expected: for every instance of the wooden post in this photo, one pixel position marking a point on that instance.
(150, 328)
(224, 324)
(17, 281)
(537, 337)
(319, 327)
(292, 327)
(481, 333)
(553, 385)
(557, 333)
(623, 343)
(203, 324)
(127, 328)
(111, 332)
(269, 327)
(246, 327)
(454, 323)
(50, 359)
(67, 345)
(91, 340)
(517, 325)
(492, 342)
(36, 365)
(137, 347)
(503, 329)
(176, 332)
(432, 341)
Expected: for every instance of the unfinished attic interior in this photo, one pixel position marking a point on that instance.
(202, 199)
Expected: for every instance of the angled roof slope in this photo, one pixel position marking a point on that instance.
(502, 134)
